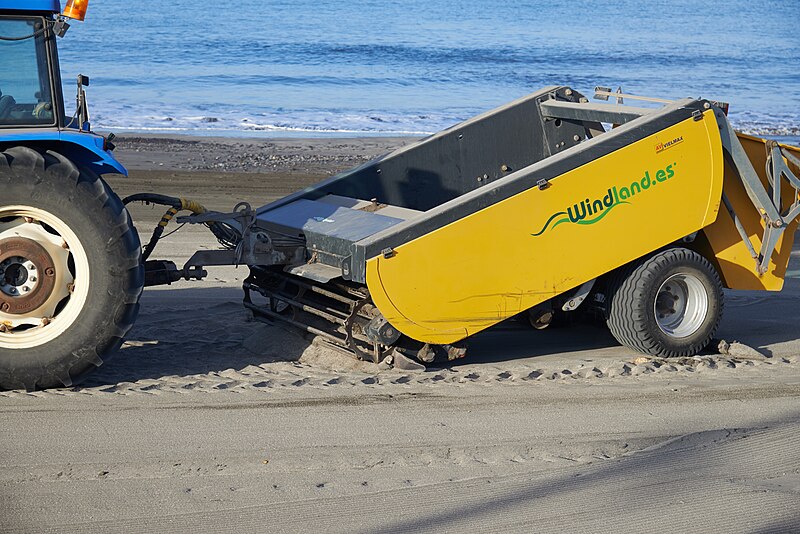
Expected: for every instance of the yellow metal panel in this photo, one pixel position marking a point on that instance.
(495, 263)
(734, 262)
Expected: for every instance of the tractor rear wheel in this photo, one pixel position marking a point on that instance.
(70, 270)
(668, 304)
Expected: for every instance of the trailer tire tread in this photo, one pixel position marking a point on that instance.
(630, 293)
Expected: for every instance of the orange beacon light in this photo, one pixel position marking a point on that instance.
(76, 9)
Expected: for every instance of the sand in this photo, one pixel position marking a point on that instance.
(207, 421)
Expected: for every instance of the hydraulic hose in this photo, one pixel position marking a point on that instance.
(228, 236)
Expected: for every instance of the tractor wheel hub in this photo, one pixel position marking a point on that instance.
(27, 275)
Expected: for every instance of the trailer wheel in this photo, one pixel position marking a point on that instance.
(70, 270)
(669, 304)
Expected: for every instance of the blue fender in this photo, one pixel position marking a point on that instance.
(83, 148)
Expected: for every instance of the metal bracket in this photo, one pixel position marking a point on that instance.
(82, 109)
(580, 294)
(777, 169)
(603, 93)
(752, 183)
(739, 226)
(576, 111)
(60, 26)
(770, 208)
(210, 258)
(255, 247)
(251, 244)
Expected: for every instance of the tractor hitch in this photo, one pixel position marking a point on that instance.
(165, 272)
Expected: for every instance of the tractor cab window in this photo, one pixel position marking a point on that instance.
(25, 91)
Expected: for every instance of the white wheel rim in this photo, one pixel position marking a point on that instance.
(70, 293)
(681, 305)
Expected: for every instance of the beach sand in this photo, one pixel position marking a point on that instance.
(208, 421)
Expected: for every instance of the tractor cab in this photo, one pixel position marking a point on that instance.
(30, 79)
(29, 95)
(32, 107)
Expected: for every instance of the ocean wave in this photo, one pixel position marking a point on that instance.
(351, 122)
(312, 122)
(765, 130)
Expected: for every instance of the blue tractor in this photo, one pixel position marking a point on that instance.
(71, 272)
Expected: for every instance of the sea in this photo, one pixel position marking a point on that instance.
(283, 68)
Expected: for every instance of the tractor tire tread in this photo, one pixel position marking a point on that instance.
(123, 260)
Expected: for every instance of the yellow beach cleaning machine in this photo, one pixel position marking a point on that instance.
(538, 207)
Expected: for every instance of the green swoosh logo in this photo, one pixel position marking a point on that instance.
(603, 214)
(540, 232)
(582, 221)
(565, 219)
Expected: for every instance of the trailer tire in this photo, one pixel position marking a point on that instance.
(668, 304)
(95, 281)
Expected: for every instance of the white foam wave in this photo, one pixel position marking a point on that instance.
(349, 122)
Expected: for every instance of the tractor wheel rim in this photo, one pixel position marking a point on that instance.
(44, 277)
(681, 305)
